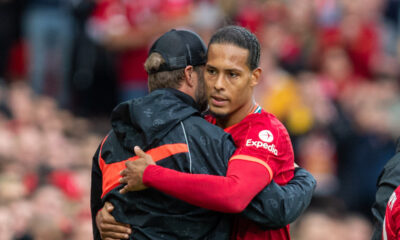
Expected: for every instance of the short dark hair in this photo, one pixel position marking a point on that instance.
(241, 37)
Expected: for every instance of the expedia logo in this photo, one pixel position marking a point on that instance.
(259, 144)
(266, 136)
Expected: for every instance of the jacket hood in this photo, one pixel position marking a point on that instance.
(144, 121)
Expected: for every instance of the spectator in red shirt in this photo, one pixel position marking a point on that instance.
(127, 27)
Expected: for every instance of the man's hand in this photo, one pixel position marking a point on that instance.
(109, 228)
(132, 175)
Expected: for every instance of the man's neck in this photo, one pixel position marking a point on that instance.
(236, 116)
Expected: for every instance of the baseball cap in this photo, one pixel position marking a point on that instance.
(179, 48)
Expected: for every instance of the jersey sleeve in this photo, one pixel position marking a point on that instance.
(230, 193)
(265, 141)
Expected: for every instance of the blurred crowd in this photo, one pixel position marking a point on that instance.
(45, 165)
(330, 74)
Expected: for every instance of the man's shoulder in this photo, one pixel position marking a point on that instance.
(391, 171)
(394, 163)
(111, 150)
(263, 120)
(394, 203)
(198, 124)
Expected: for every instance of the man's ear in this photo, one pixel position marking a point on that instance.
(255, 76)
(189, 76)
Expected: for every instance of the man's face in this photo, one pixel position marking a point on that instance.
(229, 80)
(200, 94)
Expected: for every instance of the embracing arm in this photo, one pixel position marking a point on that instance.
(277, 206)
(231, 194)
(95, 194)
(104, 224)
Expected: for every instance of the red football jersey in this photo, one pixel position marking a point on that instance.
(262, 138)
(391, 224)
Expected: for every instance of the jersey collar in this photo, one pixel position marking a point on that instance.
(256, 109)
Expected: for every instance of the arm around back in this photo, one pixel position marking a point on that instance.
(95, 194)
(277, 206)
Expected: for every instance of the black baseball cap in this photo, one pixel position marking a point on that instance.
(179, 48)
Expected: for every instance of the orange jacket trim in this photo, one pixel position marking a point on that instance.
(111, 171)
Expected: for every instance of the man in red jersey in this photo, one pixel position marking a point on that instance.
(391, 223)
(264, 151)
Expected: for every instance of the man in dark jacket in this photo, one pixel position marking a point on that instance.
(387, 182)
(167, 124)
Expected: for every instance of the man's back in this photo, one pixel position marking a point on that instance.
(172, 131)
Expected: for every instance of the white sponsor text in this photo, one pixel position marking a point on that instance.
(259, 144)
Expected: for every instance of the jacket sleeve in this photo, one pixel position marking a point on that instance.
(277, 206)
(95, 193)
